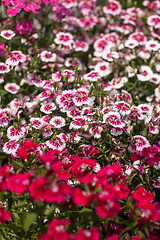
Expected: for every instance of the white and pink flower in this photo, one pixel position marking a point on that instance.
(116, 131)
(146, 73)
(7, 34)
(57, 122)
(80, 46)
(57, 144)
(138, 142)
(37, 123)
(152, 45)
(15, 58)
(155, 78)
(154, 21)
(131, 43)
(63, 38)
(92, 76)
(47, 108)
(4, 68)
(15, 134)
(47, 56)
(113, 118)
(139, 37)
(10, 147)
(78, 123)
(114, 8)
(12, 88)
(103, 68)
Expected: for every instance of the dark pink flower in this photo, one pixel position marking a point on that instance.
(18, 183)
(92, 234)
(4, 214)
(25, 27)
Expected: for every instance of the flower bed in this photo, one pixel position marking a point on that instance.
(79, 120)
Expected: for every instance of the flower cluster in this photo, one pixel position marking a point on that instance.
(80, 120)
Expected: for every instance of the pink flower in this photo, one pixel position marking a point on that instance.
(25, 27)
(108, 208)
(80, 197)
(7, 34)
(19, 183)
(31, 6)
(141, 194)
(4, 214)
(14, 10)
(92, 234)
(148, 212)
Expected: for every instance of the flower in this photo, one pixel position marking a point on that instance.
(47, 56)
(4, 68)
(12, 88)
(18, 183)
(15, 134)
(10, 147)
(7, 34)
(103, 68)
(92, 234)
(57, 144)
(152, 45)
(47, 108)
(146, 73)
(4, 214)
(92, 76)
(37, 123)
(57, 122)
(63, 38)
(138, 143)
(114, 8)
(15, 58)
(141, 194)
(25, 27)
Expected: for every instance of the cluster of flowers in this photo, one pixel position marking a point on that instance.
(80, 120)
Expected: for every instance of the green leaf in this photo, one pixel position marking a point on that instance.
(30, 218)
(3, 92)
(130, 227)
